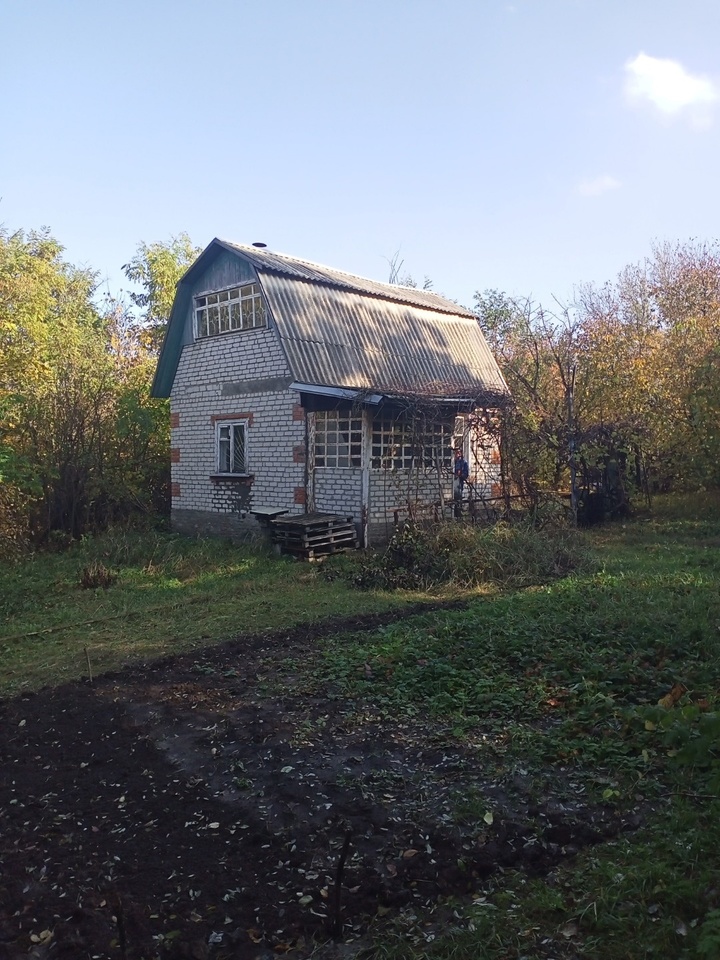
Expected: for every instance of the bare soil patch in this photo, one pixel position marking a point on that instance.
(221, 805)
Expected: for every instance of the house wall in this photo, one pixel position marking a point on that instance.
(339, 491)
(242, 375)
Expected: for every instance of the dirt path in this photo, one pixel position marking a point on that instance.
(201, 807)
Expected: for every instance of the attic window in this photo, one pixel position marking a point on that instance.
(240, 308)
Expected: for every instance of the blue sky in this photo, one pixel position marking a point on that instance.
(527, 146)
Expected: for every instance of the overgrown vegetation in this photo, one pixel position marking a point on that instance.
(519, 554)
(82, 443)
(599, 690)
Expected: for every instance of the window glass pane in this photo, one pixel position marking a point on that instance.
(222, 297)
(224, 318)
(202, 323)
(247, 314)
(213, 320)
(259, 312)
(212, 298)
(238, 448)
(235, 316)
(200, 301)
(234, 294)
(224, 449)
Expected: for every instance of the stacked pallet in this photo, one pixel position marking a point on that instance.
(314, 535)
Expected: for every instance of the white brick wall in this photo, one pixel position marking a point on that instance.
(272, 433)
(339, 490)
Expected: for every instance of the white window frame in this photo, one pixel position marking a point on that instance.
(234, 309)
(338, 440)
(231, 426)
(402, 444)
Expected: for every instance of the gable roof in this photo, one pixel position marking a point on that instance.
(343, 331)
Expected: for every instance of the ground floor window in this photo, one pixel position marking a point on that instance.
(338, 439)
(231, 447)
(404, 443)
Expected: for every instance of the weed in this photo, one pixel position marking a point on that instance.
(509, 555)
(95, 575)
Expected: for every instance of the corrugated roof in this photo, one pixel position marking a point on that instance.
(340, 330)
(344, 338)
(266, 260)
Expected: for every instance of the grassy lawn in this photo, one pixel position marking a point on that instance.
(600, 689)
(169, 594)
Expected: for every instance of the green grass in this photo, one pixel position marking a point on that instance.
(170, 594)
(563, 681)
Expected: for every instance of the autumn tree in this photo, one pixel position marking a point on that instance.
(81, 441)
(652, 340)
(627, 376)
(156, 268)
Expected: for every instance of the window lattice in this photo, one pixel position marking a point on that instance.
(338, 440)
(401, 444)
(241, 308)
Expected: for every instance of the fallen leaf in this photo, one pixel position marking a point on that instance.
(254, 935)
(391, 869)
(409, 853)
(681, 930)
(670, 699)
(570, 930)
(488, 818)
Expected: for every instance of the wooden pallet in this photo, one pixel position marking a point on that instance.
(314, 534)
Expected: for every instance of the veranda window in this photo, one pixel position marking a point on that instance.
(338, 439)
(402, 443)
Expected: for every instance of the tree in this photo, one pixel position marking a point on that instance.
(623, 382)
(158, 267)
(81, 441)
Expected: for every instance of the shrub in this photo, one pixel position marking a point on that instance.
(506, 554)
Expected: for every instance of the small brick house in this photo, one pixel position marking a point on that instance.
(301, 388)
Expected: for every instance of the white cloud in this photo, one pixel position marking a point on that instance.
(596, 185)
(668, 86)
